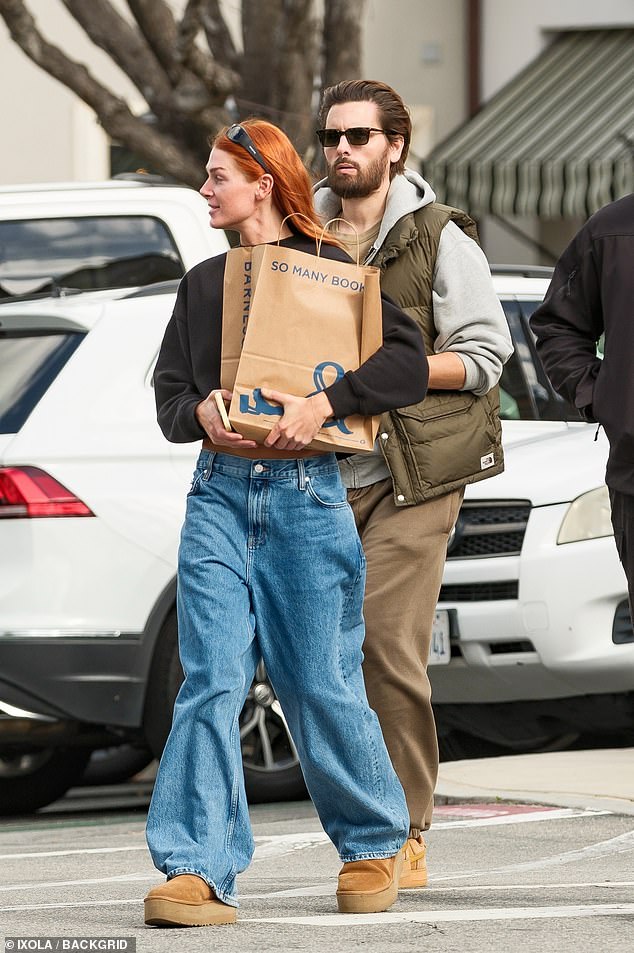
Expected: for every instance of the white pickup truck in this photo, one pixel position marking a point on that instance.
(123, 233)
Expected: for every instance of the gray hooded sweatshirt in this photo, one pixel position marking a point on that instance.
(467, 313)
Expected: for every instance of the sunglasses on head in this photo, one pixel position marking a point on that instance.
(239, 135)
(357, 136)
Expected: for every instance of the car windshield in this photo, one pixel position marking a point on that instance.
(29, 362)
(525, 391)
(39, 256)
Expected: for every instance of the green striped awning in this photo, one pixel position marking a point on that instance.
(557, 141)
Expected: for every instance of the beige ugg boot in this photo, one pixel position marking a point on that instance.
(415, 867)
(186, 901)
(369, 886)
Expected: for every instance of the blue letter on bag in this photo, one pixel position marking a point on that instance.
(320, 384)
(259, 406)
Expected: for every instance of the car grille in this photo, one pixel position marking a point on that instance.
(494, 528)
(479, 591)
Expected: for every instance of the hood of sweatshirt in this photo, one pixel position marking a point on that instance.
(407, 193)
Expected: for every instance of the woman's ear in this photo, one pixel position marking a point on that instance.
(264, 185)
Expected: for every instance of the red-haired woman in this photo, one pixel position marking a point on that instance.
(270, 565)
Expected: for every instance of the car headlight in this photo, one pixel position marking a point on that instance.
(587, 517)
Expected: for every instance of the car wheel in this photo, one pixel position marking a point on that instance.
(115, 765)
(31, 779)
(271, 764)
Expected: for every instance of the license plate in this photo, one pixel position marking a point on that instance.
(440, 649)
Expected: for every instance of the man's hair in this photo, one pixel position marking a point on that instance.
(394, 115)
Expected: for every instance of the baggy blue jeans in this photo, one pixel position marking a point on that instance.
(270, 564)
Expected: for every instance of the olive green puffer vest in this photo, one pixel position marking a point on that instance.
(451, 438)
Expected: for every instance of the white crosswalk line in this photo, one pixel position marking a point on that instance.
(275, 844)
(448, 916)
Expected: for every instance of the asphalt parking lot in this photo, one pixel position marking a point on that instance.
(502, 877)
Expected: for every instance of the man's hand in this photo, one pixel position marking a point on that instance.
(211, 422)
(303, 417)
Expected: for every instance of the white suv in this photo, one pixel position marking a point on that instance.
(534, 599)
(58, 238)
(91, 503)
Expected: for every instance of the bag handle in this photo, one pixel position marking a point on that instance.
(319, 241)
(339, 219)
(295, 215)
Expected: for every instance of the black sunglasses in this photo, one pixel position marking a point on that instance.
(357, 136)
(238, 134)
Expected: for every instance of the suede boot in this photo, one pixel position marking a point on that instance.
(415, 867)
(186, 901)
(369, 886)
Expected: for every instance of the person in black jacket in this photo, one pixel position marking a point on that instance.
(270, 564)
(592, 294)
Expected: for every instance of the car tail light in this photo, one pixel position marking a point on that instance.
(28, 492)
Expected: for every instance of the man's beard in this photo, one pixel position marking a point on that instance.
(364, 182)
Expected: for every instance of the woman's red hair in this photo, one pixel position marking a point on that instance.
(292, 190)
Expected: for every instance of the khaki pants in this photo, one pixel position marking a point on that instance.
(405, 548)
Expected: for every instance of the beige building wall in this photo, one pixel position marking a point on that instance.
(49, 134)
(420, 50)
(514, 32)
(37, 119)
(53, 135)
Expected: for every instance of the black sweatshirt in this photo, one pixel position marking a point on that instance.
(188, 365)
(592, 292)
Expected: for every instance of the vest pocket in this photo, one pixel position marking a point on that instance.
(439, 405)
(450, 439)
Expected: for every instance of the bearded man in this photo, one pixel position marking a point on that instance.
(406, 495)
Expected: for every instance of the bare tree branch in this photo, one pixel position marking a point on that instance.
(299, 52)
(187, 31)
(125, 45)
(174, 106)
(342, 49)
(280, 31)
(195, 81)
(113, 112)
(219, 80)
(156, 23)
(288, 53)
(261, 26)
(219, 38)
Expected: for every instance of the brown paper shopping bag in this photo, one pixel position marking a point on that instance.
(310, 320)
(239, 282)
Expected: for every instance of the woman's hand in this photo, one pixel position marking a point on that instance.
(302, 419)
(211, 422)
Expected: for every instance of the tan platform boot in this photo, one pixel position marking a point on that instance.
(369, 886)
(186, 901)
(415, 867)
